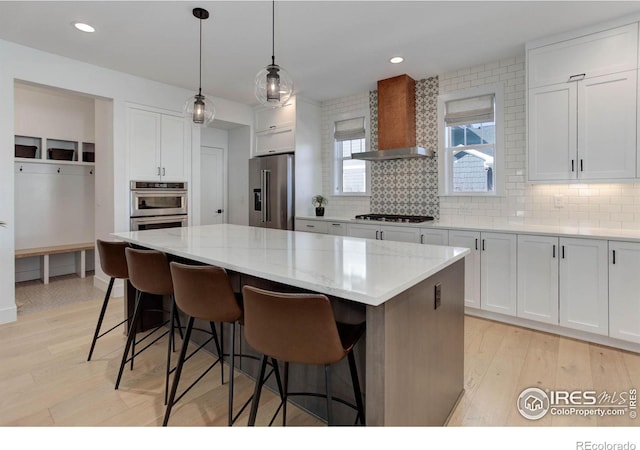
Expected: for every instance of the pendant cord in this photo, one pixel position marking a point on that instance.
(273, 32)
(200, 76)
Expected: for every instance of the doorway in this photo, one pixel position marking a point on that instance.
(213, 195)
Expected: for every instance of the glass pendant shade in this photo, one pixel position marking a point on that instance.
(200, 110)
(273, 86)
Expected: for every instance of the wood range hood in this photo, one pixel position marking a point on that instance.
(396, 121)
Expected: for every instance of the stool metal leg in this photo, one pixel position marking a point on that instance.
(285, 389)
(101, 317)
(171, 347)
(131, 337)
(356, 387)
(327, 377)
(257, 391)
(176, 377)
(231, 370)
(219, 346)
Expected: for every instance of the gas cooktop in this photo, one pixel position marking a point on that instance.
(394, 218)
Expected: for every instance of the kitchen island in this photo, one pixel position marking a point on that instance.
(412, 297)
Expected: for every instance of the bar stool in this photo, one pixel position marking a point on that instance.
(149, 273)
(205, 293)
(299, 328)
(114, 264)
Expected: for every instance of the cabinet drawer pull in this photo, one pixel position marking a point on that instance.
(158, 170)
(476, 243)
(581, 168)
(272, 127)
(422, 238)
(311, 226)
(572, 168)
(382, 235)
(577, 77)
(554, 250)
(377, 234)
(563, 252)
(483, 245)
(335, 224)
(164, 171)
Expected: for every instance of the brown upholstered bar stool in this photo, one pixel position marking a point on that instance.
(299, 328)
(114, 264)
(149, 273)
(204, 292)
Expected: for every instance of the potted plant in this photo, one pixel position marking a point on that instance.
(319, 201)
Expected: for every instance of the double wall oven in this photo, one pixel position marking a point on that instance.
(155, 204)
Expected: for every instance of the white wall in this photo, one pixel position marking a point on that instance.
(339, 206)
(238, 180)
(34, 66)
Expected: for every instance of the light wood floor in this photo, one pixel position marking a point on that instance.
(45, 379)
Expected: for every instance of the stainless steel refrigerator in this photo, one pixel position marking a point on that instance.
(271, 191)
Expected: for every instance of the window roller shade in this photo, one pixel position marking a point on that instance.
(469, 110)
(346, 130)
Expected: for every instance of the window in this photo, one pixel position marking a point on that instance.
(472, 157)
(350, 175)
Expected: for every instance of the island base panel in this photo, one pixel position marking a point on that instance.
(415, 353)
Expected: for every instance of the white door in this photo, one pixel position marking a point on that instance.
(212, 186)
(538, 278)
(607, 126)
(470, 240)
(498, 273)
(553, 132)
(400, 234)
(624, 291)
(583, 285)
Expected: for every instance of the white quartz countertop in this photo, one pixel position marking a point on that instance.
(551, 230)
(363, 270)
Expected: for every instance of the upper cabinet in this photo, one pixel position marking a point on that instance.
(157, 146)
(582, 107)
(591, 55)
(275, 129)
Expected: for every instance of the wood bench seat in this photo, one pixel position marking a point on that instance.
(54, 250)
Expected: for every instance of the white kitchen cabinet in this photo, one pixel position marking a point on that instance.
(624, 291)
(312, 226)
(385, 232)
(434, 236)
(470, 240)
(584, 285)
(267, 118)
(584, 130)
(582, 107)
(157, 146)
(594, 54)
(337, 228)
(498, 259)
(537, 278)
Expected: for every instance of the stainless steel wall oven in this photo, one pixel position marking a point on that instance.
(156, 204)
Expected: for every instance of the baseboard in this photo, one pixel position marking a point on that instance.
(102, 282)
(555, 329)
(8, 315)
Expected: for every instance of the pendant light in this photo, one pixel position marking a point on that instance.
(273, 85)
(198, 108)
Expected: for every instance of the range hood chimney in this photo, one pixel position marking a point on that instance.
(396, 121)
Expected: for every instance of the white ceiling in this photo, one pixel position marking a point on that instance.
(331, 48)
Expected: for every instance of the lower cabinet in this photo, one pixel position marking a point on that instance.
(384, 232)
(624, 290)
(538, 278)
(434, 236)
(470, 240)
(584, 285)
(498, 272)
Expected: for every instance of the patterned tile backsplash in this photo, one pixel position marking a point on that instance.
(408, 186)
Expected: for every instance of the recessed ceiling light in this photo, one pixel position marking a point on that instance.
(84, 27)
(396, 60)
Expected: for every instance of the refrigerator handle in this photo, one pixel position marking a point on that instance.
(263, 188)
(266, 207)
